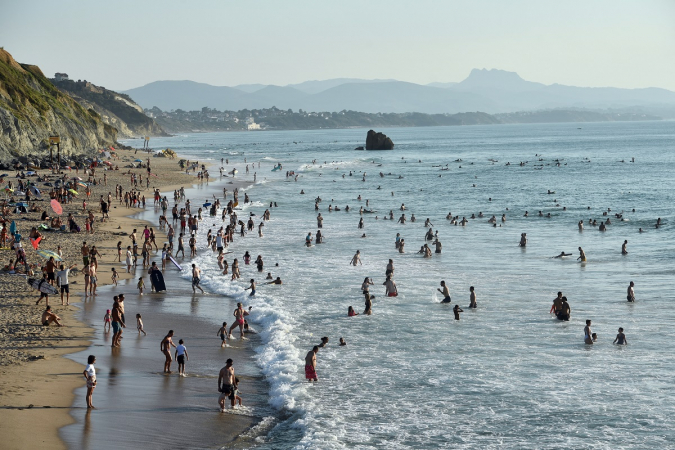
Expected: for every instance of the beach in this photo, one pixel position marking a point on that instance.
(38, 380)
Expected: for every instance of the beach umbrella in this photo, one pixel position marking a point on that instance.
(35, 191)
(72, 191)
(138, 160)
(46, 254)
(81, 184)
(56, 207)
(35, 242)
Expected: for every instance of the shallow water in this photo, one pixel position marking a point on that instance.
(506, 374)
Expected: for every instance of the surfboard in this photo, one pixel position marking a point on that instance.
(157, 280)
(42, 286)
(175, 263)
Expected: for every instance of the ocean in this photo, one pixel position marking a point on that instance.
(508, 374)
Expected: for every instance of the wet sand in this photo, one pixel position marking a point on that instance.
(138, 406)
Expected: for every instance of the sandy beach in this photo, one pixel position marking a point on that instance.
(39, 383)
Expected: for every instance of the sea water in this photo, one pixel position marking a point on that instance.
(508, 374)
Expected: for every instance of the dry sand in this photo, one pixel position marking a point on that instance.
(36, 380)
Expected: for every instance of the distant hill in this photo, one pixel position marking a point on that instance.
(491, 91)
(115, 109)
(32, 108)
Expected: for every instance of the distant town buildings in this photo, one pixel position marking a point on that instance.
(61, 76)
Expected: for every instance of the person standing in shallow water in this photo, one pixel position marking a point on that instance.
(631, 292)
(472, 298)
(310, 365)
(582, 255)
(457, 310)
(445, 292)
(588, 333)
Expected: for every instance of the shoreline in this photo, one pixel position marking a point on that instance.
(36, 395)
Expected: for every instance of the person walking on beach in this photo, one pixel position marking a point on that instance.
(620, 338)
(129, 259)
(139, 325)
(117, 324)
(445, 292)
(226, 384)
(222, 332)
(588, 333)
(165, 347)
(630, 294)
(310, 364)
(196, 272)
(62, 277)
(181, 357)
(90, 375)
(239, 320)
(356, 259)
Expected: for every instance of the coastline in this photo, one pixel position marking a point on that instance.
(38, 381)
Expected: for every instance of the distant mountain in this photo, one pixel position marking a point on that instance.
(491, 91)
(314, 87)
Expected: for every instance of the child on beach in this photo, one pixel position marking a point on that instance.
(181, 356)
(139, 325)
(141, 285)
(237, 398)
(119, 251)
(106, 320)
(222, 332)
(115, 276)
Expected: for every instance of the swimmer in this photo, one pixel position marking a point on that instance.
(557, 304)
(342, 342)
(620, 338)
(457, 310)
(582, 255)
(562, 255)
(446, 293)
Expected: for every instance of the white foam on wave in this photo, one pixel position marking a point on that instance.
(278, 358)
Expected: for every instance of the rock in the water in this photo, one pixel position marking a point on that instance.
(358, 148)
(378, 141)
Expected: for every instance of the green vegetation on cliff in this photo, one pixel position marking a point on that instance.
(32, 108)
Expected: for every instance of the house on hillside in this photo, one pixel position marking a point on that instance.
(61, 76)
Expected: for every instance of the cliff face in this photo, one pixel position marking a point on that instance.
(115, 109)
(31, 109)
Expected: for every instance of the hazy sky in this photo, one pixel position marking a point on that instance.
(125, 44)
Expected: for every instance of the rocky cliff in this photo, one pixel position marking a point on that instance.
(115, 109)
(32, 109)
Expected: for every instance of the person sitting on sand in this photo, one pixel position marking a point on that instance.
(49, 317)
